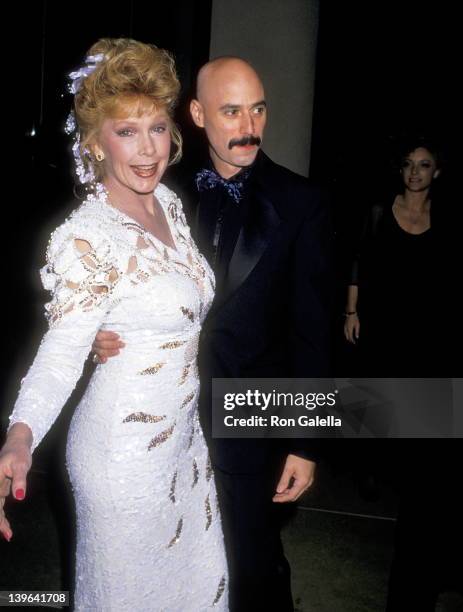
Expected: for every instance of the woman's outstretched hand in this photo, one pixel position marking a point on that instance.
(15, 463)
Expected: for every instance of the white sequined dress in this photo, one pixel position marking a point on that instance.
(149, 536)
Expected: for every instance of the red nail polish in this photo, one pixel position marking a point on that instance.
(19, 494)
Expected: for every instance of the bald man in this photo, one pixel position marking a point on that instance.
(266, 234)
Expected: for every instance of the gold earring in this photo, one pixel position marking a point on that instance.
(99, 157)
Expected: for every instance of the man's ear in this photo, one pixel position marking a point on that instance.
(197, 113)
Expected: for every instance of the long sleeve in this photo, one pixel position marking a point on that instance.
(81, 276)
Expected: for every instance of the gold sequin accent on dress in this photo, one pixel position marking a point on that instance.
(220, 591)
(176, 538)
(173, 345)
(142, 417)
(173, 211)
(133, 226)
(161, 438)
(184, 376)
(188, 399)
(172, 488)
(152, 370)
(188, 313)
(192, 435)
(208, 513)
(208, 469)
(195, 473)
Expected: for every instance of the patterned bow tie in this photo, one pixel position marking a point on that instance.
(208, 179)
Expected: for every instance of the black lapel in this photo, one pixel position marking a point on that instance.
(259, 224)
(231, 227)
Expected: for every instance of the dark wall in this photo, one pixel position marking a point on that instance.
(383, 69)
(58, 36)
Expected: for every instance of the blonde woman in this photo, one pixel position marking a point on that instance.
(149, 535)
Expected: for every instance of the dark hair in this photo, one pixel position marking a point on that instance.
(410, 143)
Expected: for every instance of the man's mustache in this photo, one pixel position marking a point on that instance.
(246, 140)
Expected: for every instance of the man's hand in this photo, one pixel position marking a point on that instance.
(106, 344)
(301, 473)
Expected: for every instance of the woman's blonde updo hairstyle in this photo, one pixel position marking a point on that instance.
(133, 77)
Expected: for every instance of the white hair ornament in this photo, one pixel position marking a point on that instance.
(86, 175)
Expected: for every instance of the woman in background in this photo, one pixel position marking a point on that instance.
(396, 308)
(401, 312)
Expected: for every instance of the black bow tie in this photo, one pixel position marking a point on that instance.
(208, 179)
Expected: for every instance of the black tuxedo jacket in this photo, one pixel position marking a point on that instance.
(271, 313)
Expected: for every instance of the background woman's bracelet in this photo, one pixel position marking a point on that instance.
(348, 314)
